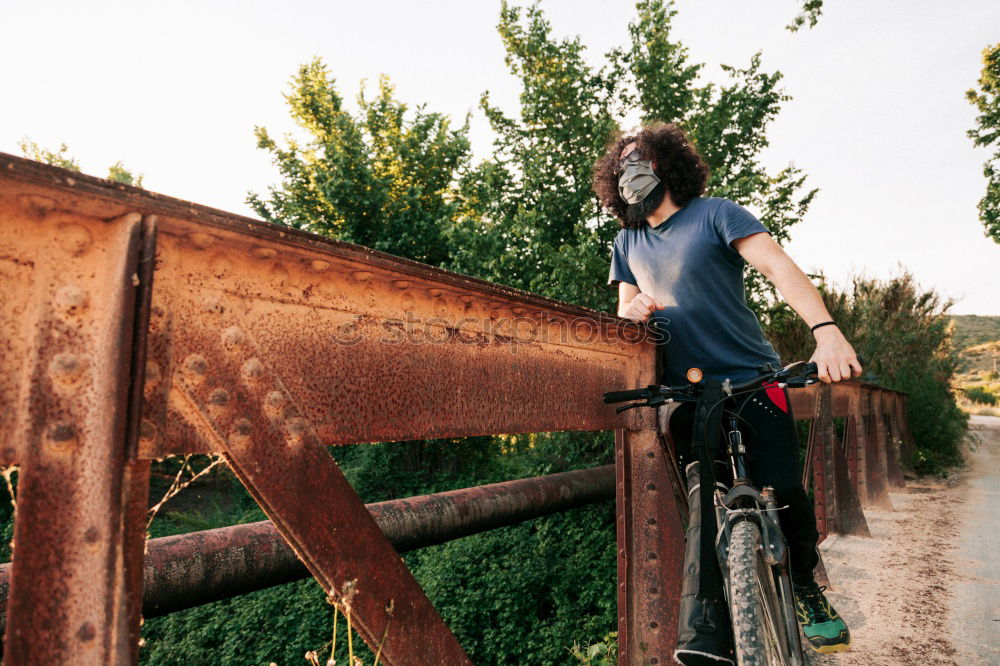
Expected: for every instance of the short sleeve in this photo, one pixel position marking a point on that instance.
(620, 271)
(733, 221)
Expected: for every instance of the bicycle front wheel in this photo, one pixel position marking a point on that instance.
(758, 629)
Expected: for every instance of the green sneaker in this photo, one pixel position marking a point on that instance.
(821, 624)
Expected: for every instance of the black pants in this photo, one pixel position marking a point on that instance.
(773, 460)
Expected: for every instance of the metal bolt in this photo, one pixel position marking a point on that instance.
(219, 396)
(71, 298)
(319, 265)
(62, 435)
(66, 368)
(241, 431)
(196, 366)
(147, 430)
(295, 428)
(233, 337)
(274, 403)
(253, 370)
(202, 240)
(213, 305)
(264, 252)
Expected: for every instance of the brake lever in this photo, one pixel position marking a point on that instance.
(654, 401)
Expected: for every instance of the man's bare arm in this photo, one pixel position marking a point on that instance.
(834, 355)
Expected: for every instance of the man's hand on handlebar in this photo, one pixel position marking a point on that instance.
(834, 357)
(640, 308)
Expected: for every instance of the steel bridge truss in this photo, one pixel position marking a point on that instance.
(134, 327)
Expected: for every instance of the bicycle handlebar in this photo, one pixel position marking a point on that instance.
(796, 375)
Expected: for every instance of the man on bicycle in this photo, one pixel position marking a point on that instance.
(678, 262)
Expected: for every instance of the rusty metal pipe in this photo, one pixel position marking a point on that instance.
(187, 570)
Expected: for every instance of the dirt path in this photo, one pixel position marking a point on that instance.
(911, 594)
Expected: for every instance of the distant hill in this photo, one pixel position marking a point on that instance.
(977, 340)
(975, 330)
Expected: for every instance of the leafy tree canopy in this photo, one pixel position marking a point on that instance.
(381, 177)
(987, 134)
(528, 217)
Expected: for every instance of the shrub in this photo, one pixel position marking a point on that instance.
(904, 334)
(980, 395)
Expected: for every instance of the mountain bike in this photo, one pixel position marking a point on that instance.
(751, 550)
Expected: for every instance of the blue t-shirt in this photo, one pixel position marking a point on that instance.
(688, 264)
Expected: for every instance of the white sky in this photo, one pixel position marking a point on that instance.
(878, 119)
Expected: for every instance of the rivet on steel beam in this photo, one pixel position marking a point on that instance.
(92, 535)
(264, 252)
(71, 182)
(71, 298)
(319, 265)
(195, 366)
(295, 429)
(401, 284)
(147, 430)
(74, 239)
(362, 276)
(219, 396)
(202, 240)
(36, 205)
(87, 631)
(253, 369)
(241, 431)
(66, 368)
(233, 337)
(212, 304)
(62, 435)
(274, 404)
(518, 311)
(435, 292)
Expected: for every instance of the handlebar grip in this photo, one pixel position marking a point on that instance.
(624, 396)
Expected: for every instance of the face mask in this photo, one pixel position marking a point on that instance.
(637, 181)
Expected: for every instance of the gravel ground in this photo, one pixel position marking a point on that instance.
(917, 591)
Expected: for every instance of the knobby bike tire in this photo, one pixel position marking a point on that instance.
(758, 632)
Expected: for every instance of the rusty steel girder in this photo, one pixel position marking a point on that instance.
(136, 326)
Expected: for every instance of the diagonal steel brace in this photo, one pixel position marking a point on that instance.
(278, 456)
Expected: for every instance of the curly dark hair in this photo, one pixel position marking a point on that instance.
(679, 166)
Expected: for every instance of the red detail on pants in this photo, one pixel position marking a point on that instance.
(777, 396)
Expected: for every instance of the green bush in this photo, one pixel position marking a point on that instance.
(980, 395)
(904, 334)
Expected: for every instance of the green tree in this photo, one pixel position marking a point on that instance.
(987, 134)
(528, 216)
(116, 172)
(381, 177)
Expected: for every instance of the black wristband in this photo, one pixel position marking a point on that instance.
(825, 323)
